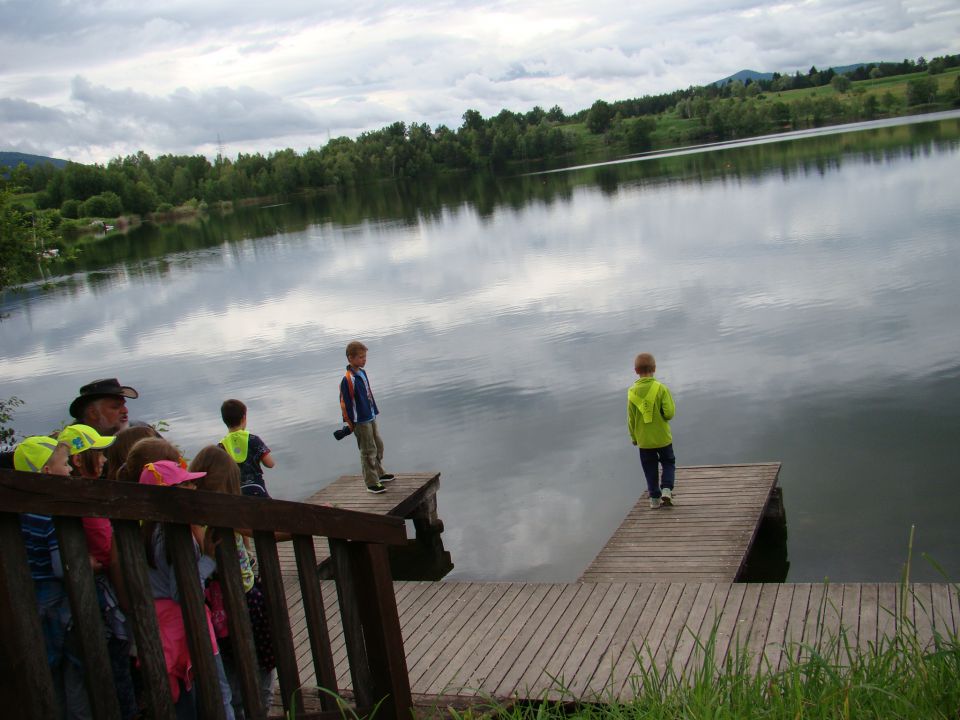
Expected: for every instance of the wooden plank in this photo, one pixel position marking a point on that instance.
(711, 528)
(812, 631)
(575, 670)
(87, 622)
(142, 617)
(775, 644)
(288, 673)
(726, 626)
(381, 630)
(591, 665)
(944, 624)
(621, 640)
(850, 621)
(698, 625)
(538, 672)
(505, 682)
(316, 619)
(534, 603)
(238, 617)
(441, 678)
(679, 617)
(180, 544)
(886, 614)
(760, 626)
(923, 614)
(22, 622)
(435, 657)
(440, 627)
(623, 671)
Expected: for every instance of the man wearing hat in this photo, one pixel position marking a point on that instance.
(102, 405)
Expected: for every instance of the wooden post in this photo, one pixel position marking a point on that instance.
(238, 618)
(349, 600)
(142, 615)
(180, 543)
(379, 630)
(87, 619)
(25, 639)
(316, 618)
(283, 648)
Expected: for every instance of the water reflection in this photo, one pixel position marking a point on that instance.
(798, 295)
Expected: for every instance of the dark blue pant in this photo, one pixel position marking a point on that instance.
(650, 460)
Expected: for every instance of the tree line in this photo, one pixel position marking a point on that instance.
(141, 185)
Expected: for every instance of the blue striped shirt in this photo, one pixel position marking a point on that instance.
(43, 550)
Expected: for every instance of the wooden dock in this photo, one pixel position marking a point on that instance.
(410, 496)
(523, 640)
(706, 536)
(466, 642)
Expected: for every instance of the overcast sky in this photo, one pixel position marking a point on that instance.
(90, 80)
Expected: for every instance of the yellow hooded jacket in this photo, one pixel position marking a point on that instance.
(650, 408)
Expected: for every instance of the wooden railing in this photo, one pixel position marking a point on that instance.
(358, 543)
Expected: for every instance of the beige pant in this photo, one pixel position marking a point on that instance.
(371, 451)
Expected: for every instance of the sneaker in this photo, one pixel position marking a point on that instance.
(376, 489)
(387, 477)
(654, 503)
(667, 496)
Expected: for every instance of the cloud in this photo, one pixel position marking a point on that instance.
(170, 78)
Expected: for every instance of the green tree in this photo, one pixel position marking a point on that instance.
(841, 83)
(638, 133)
(23, 235)
(182, 186)
(105, 205)
(921, 90)
(599, 117)
(8, 435)
(70, 209)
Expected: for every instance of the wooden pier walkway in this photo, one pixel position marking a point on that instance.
(523, 640)
(705, 536)
(470, 641)
(409, 495)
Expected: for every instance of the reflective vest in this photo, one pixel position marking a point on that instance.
(237, 444)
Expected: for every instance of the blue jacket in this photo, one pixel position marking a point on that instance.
(356, 398)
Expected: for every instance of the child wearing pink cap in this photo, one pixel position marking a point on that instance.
(166, 594)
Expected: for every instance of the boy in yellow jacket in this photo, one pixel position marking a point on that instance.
(650, 408)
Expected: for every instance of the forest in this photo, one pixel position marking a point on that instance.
(39, 204)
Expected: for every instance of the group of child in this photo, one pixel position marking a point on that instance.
(140, 454)
(234, 465)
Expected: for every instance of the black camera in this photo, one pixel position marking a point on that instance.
(342, 432)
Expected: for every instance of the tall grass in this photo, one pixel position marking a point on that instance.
(829, 677)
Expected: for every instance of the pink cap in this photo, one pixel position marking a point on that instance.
(166, 472)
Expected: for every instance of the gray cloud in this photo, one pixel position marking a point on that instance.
(120, 76)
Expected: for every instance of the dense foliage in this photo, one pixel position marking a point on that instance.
(141, 185)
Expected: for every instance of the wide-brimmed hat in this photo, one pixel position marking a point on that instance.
(33, 453)
(167, 472)
(83, 437)
(98, 389)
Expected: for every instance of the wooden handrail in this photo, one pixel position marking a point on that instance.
(365, 589)
(78, 497)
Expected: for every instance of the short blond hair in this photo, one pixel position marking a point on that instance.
(355, 348)
(644, 363)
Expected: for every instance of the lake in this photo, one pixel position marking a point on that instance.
(800, 295)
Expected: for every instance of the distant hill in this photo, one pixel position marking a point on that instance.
(745, 75)
(12, 159)
(752, 75)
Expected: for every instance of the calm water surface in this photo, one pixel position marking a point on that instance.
(801, 298)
